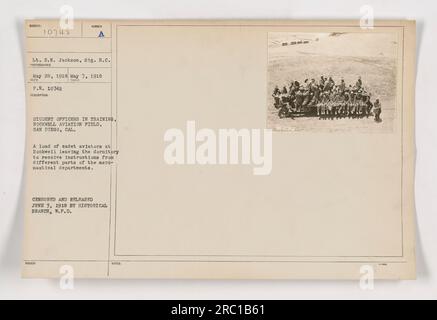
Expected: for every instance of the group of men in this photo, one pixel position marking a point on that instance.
(326, 99)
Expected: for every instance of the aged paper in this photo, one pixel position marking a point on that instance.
(220, 149)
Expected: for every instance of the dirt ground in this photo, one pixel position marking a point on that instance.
(349, 55)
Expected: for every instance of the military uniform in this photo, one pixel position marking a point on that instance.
(342, 87)
(322, 105)
(299, 99)
(277, 96)
(377, 110)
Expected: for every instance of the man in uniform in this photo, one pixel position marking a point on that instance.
(322, 82)
(307, 93)
(277, 96)
(332, 82)
(367, 104)
(377, 110)
(334, 102)
(352, 103)
(329, 85)
(322, 105)
(341, 104)
(342, 86)
(358, 102)
(359, 83)
(299, 99)
(276, 90)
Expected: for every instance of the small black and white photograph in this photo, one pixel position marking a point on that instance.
(333, 81)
